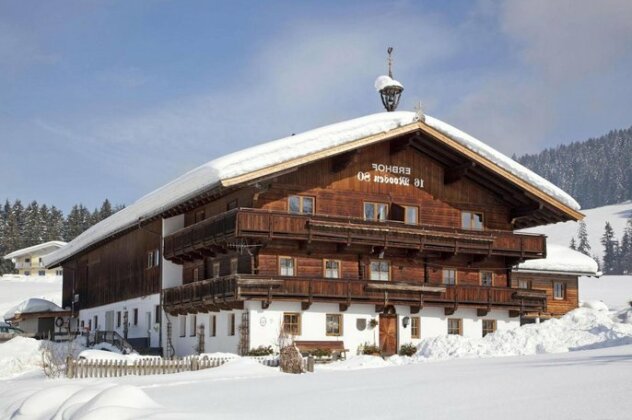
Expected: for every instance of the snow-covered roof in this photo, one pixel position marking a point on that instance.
(296, 149)
(30, 306)
(560, 259)
(46, 247)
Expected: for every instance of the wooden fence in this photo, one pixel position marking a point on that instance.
(84, 368)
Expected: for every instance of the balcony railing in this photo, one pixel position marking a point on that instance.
(263, 224)
(229, 291)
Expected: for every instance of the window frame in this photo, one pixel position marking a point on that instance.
(325, 269)
(562, 290)
(375, 205)
(491, 279)
(301, 203)
(527, 283)
(297, 325)
(388, 273)
(443, 277)
(231, 324)
(471, 220)
(459, 322)
(416, 208)
(487, 322)
(294, 266)
(339, 333)
(415, 320)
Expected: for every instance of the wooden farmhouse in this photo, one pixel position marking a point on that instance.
(382, 230)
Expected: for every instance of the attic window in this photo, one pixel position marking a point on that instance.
(299, 204)
(472, 220)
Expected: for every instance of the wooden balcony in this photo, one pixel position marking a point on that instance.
(231, 291)
(257, 224)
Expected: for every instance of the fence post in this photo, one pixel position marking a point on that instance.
(310, 363)
(69, 370)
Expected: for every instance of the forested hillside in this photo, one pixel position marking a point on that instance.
(596, 172)
(22, 226)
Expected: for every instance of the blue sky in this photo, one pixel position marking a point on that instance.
(115, 98)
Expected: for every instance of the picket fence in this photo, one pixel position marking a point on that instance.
(85, 368)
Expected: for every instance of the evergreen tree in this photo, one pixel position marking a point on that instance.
(625, 251)
(55, 225)
(32, 225)
(573, 245)
(610, 251)
(582, 235)
(106, 210)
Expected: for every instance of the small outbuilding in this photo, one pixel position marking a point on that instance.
(40, 318)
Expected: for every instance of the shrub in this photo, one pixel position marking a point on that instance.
(371, 349)
(407, 350)
(320, 353)
(261, 351)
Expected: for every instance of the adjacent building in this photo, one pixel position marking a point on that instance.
(29, 261)
(382, 230)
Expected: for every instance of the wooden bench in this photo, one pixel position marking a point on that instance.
(337, 348)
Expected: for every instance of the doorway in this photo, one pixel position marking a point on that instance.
(109, 321)
(388, 334)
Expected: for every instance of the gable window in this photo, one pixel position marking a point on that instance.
(559, 290)
(212, 326)
(231, 324)
(192, 325)
(183, 325)
(415, 327)
(380, 270)
(455, 326)
(472, 220)
(300, 204)
(449, 276)
(286, 266)
(487, 278)
(489, 326)
(332, 269)
(333, 324)
(292, 323)
(524, 284)
(411, 215)
(375, 211)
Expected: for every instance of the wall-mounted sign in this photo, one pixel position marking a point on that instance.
(390, 174)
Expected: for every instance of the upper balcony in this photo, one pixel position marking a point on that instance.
(258, 224)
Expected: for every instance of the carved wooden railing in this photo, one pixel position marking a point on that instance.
(264, 224)
(219, 293)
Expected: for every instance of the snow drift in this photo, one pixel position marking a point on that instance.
(32, 305)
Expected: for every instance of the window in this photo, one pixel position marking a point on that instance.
(96, 322)
(559, 290)
(231, 324)
(58, 272)
(150, 259)
(524, 284)
(292, 323)
(156, 257)
(90, 324)
(489, 326)
(192, 326)
(215, 269)
(231, 205)
(83, 324)
(41, 273)
(135, 316)
(118, 319)
(158, 314)
(472, 220)
(27, 273)
(301, 204)
(449, 276)
(212, 326)
(199, 216)
(415, 327)
(487, 278)
(375, 211)
(196, 274)
(286, 266)
(27, 260)
(332, 269)
(333, 324)
(411, 215)
(233, 266)
(183, 325)
(380, 270)
(455, 326)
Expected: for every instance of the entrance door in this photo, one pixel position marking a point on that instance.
(109, 321)
(388, 334)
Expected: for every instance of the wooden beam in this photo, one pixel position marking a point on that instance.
(341, 161)
(456, 173)
(524, 211)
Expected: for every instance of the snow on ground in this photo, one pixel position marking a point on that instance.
(19, 355)
(561, 233)
(15, 289)
(614, 291)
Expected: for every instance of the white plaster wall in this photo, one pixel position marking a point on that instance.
(144, 304)
(266, 333)
(171, 273)
(222, 342)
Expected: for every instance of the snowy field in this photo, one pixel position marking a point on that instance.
(577, 367)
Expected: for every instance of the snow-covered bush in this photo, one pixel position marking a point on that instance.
(407, 350)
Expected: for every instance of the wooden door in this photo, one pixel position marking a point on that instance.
(388, 334)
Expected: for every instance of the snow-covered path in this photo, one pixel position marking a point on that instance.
(578, 385)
